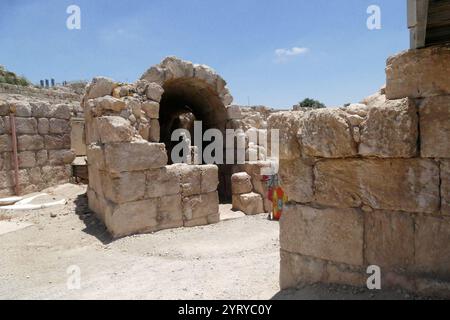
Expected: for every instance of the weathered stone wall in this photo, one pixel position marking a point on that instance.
(368, 184)
(43, 141)
(131, 187)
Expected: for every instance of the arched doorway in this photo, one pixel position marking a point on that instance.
(192, 93)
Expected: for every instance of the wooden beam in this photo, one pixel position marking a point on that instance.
(417, 22)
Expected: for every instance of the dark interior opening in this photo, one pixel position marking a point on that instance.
(185, 101)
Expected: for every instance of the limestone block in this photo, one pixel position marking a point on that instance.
(209, 178)
(432, 235)
(43, 126)
(59, 126)
(137, 155)
(59, 141)
(151, 109)
(419, 73)
(154, 92)
(241, 183)
(114, 129)
(207, 74)
(96, 156)
(36, 177)
(191, 179)
(200, 206)
(96, 180)
(163, 182)
(41, 157)
(155, 131)
(124, 187)
(176, 68)
(249, 203)
(100, 87)
(110, 103)
(434, 115)
(5, 143)
(54, 174)
(445, 187)
(329, 234)
(234, 112)
(26, 125)
(27, 159)
(390, 130)
(170, 212)
(410, 185)
(41, 109)
(61, 111)
(23, 109)
(389, 239)
(327, 133)
(2, 126)
(61, 157)
(346, 274)
(295, 269)
(287, 123)
(30, 143)
(296, 178)
(131, 218)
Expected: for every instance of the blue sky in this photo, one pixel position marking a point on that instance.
(273, 53)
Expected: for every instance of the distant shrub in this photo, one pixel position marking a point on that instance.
(11, 78)
(311, 104)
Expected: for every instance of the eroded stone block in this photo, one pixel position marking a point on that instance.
(410, 185)
(329, 234)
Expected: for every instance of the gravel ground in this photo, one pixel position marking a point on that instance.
(235, 259)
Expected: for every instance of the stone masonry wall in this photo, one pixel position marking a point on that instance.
(43, 139)
(369, 184)
(131, 187)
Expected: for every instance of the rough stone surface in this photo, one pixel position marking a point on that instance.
(114, 129)
(390, 130)
(249, 203)
(389, 239)
(445, 187)
(297, 180)
(288, 125)
(241, 183)
(329, 234)
(435, 127)
(410, 185)
(432, 252)
(124, 187)
(151, 108)
(154, 92)
(419, 73)
(163, 181)
(327, 133)
(135, 156)
(200, 206)
(100, 87)
(295, 269)
(209, 178)
(131, 218)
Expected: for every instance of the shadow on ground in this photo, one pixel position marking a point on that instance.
(342, 292)
(94, 226)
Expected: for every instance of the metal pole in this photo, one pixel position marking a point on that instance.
(12, 119)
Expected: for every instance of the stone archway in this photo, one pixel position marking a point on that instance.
(192, 92)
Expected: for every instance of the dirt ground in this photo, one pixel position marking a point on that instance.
(235, 259)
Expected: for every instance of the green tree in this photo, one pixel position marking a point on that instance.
(311, 104)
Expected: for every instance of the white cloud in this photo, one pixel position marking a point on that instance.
(283, 55)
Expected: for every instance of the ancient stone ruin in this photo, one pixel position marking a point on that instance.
(369, 184)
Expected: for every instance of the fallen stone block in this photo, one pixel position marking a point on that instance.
(241, 183)
(249, 203)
